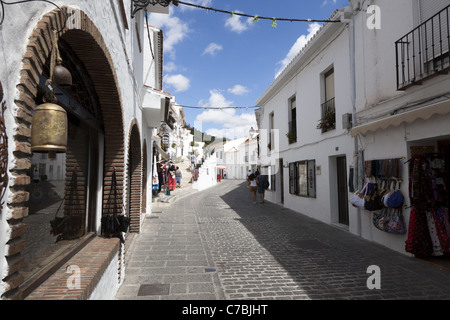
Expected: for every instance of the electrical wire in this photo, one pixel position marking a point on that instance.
(218, 108)
(255, 17)
(3, 3)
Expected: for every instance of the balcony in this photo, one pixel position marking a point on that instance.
(328, 121)
(424, 52)
(292, 134)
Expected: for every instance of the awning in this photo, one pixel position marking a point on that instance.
(425, 113)
(221, 167)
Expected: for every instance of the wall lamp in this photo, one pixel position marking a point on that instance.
(139, 5)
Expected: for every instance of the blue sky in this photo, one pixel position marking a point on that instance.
(213, 60)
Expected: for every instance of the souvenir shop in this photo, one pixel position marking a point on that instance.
(408, 197)
(164, 179)
(429, 224)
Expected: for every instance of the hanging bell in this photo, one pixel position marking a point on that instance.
(62, 76)
(49, 129)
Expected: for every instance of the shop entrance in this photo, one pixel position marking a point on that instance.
(429, 227)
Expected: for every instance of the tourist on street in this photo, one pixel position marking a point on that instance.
(171, 178)
(253, 186)
(178, 177)
(262, 181)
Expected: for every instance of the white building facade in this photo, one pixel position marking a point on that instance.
(111, 113)
(307, 164)
(402, 104)
(385, 71)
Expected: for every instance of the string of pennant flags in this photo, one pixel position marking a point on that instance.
(256, 18)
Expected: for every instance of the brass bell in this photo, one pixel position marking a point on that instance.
(62, 76)
(49, 129)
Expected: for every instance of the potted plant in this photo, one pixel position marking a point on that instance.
(292, 136)
(328, 122)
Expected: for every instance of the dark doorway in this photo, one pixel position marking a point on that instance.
(341, 166)
(281, 168)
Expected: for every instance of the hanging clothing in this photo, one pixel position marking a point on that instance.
(419, 240)
(436, 244)
(172, 180)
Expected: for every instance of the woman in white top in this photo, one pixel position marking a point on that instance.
(253, 186)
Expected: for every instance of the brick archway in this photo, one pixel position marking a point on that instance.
(87, 42)
(134, 198)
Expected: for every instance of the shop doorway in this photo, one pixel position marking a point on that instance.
(429, 182)
(341, 173)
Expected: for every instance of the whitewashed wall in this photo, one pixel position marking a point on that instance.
(377, 97)
(305, 83)
(20, 20)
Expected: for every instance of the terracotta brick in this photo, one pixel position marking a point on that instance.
(20, 213)
(20, 197)
(22, 164)
(18, 230)
(15, 246)
(15, 264)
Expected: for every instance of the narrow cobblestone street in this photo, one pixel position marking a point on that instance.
(217, 245)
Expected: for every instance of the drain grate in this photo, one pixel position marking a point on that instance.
(154, 290)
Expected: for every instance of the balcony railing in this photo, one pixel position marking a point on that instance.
(328, 121)
(424, 52)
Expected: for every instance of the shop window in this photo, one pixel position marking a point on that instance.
(302, 178)
(63, 202)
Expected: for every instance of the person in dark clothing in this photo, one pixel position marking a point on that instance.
(262, 181)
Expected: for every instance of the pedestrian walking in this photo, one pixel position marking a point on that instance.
(253, 186)
(171, 178)
(248, 174)
(178, 176)
(263, 183)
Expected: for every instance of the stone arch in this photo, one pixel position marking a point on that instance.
(134, 177)
(87, 42)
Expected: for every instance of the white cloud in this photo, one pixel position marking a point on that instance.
(212, 49)
(178, 82)
(175, 30)
(298, 46)
(326, 2)
(170, 67)
(238, 90)
(235, 24)
(204, 3)
(228, 123)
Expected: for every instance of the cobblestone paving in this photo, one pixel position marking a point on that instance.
(217, 244)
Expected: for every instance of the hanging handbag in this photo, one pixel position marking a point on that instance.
(395, 198)
(112, 223)
(396, 224)
(358, 198)
(381, 219)
(373, 201)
